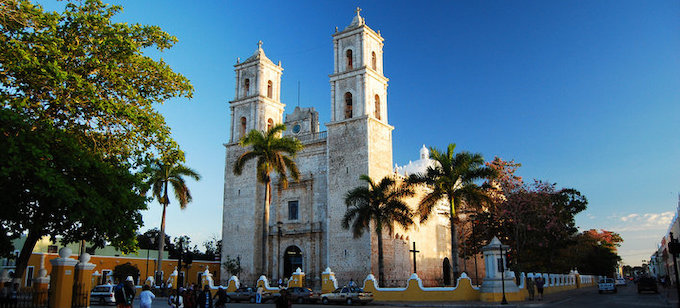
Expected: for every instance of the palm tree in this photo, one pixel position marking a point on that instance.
(452, 178)
(162, 176)
(273, 153)
(382, 204)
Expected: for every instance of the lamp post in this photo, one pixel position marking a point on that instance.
(146, 273)
(279, 224)
(502, 268)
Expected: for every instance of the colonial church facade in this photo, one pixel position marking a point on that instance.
(304, 226)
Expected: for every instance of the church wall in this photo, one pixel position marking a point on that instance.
(311, 193)
(241, 217)
(349, 258)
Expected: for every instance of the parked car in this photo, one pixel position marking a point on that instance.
(606, 285)
(647, 284)
(620, 282)
(247, 294)
(103, 295)
(347, 295)
(302, 295)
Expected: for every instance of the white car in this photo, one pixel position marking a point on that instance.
(606, 285)
(103, 295)
(620, 282)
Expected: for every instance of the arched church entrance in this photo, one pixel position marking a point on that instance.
(447, 272)
(292, 259)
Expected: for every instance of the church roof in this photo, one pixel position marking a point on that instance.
(258, 55)
(357, 21)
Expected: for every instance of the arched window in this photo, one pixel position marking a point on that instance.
(269, 89)
(374, 61)
(348, 56)
(246, 86)
(270, 124)
(377, 107)
(242, 131)
(348, 105)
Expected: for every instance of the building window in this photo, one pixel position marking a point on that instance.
(377, 107)
(246, 86)
(373, 61)
(270, 124)
(269, 89)
(293, 210)
(29, 276)
(242, 131)
(348, 56)
(348, 105)
(52, 249)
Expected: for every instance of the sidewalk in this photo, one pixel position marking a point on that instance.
(670, 295)
(548, 299)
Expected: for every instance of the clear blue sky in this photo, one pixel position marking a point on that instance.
(582, 93)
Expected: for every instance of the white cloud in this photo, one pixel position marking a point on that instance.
(642, 221)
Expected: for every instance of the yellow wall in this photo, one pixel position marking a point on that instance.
(109, 263)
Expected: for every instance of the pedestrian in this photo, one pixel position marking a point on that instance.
(280, 282)
(221, 297)
(352, 283)
(258, 295)
(175, 301)
(204, 298)
(146, 297)
(530, 288)
(539, 287)
(283, 301)
(189, 298)
(124, 293)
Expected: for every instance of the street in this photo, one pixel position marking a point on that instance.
(588, 297)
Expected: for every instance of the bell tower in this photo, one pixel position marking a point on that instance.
(257, 101)
(359, 138)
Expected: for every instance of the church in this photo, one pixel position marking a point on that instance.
(304, 227)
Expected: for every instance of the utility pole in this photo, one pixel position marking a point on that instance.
(674, 249)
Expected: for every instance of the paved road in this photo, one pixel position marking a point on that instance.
(626, 297)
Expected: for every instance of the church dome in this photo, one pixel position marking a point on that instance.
(424, 153)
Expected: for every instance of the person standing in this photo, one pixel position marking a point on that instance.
(221, 297)
(204, 298)
(174, 301)
(258, 295)
(146, 297)
(539, 287)
(530, 288)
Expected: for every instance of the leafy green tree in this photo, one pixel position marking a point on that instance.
(53, 186)
(452, 178)
(381, 204)
(122, 271)
(232, 265)
(149, 239)
(273, 153)
(162, 177)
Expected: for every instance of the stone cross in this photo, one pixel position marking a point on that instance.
(259, 44)
(414, 251)
(358, 10)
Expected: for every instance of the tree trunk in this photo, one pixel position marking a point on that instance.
(454, 243)
(26, 251)
(161, 236)
(265, 227)
(381, 262)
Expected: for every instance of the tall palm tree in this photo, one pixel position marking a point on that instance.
(163, 176)
(452, 178)
(273, 153)
(382, 204)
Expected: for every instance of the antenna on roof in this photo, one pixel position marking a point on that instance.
(298, 93)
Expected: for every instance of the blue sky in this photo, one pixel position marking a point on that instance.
(585, 94)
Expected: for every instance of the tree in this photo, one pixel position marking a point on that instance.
(452, 178)
(233, 266)
(122, 271)
(149, 239)
(55, 187)
(273, 154)
(381, 204)
(590, 253)
(77, 73)
(165, 175)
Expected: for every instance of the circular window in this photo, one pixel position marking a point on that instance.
(296, 128)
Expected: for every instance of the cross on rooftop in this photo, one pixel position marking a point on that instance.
(358, 10)
(259, 44)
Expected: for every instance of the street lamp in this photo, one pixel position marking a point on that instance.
(279, 224)
(146, 273)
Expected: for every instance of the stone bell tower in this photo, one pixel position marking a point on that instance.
(256, 105)
(359, 139)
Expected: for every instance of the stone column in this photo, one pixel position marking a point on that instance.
(61, 279)
(297, 279)
(41, 285)
(83, 280)
(492, 287)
